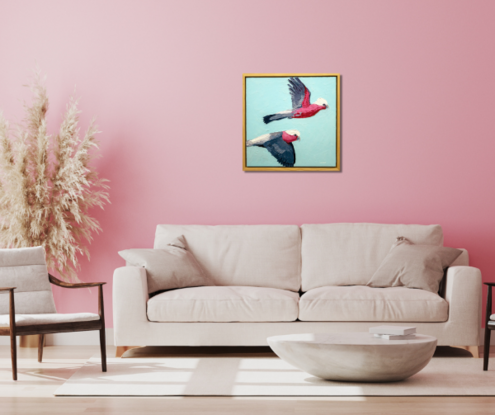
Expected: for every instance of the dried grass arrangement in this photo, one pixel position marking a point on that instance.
(47, 185)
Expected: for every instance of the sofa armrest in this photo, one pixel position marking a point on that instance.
(130, 298)
(463, 293)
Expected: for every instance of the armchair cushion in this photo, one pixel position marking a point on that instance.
(25, 269)
(51, 318)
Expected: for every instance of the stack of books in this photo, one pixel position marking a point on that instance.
(394, 332)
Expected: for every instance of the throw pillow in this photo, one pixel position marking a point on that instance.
(172, 267)
(413, 266)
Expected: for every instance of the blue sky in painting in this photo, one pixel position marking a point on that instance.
(266, 96)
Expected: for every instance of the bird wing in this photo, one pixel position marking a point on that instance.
(282, 151)
(299, 93)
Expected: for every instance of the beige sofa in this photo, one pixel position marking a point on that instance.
(283, 279)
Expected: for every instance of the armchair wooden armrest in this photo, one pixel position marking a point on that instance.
(101, 312)
(56, 281)
(490, 284)
(7, 288)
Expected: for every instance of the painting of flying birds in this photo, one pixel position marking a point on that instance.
(285, 129)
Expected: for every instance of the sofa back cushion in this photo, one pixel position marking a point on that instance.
(25, 269)
(242, 255)
(349, 253)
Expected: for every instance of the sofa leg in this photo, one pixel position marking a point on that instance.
(122, 349)
(474, 350)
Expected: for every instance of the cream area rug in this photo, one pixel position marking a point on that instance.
(265, 376)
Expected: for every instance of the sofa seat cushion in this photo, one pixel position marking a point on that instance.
(360, 303)
(224, 304)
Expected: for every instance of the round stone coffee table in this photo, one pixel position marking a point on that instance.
(355, 357)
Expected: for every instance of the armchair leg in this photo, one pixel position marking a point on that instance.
(41, 342)
(103, 342)
(13, 355)
(103, 349)
(486, 351)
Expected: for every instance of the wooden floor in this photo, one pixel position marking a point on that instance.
(33, 394)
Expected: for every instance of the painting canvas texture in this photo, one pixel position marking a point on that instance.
(291, 122)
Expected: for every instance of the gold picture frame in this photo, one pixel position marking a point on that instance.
(276, 101)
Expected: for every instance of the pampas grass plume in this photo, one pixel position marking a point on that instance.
(48, 185)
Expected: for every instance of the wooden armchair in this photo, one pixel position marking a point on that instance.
(36, 313)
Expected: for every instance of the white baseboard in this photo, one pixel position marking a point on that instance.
(83, 338)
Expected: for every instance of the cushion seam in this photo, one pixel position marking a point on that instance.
(380, 300)
(215, 300)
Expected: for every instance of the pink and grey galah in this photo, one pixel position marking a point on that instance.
(301, 106)
(279, 145)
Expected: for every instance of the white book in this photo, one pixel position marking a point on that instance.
(394, 330)
(395, 336)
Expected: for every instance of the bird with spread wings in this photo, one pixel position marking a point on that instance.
(301, 105)
(279, 145)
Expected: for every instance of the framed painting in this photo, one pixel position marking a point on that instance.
(291, 122)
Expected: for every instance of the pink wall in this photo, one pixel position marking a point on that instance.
(164, 80)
